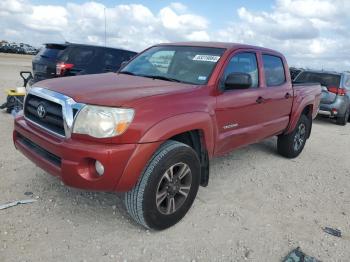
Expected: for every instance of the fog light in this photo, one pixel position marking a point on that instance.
(100, 169)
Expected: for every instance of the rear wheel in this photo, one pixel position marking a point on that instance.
(167, 187)
(292, 144)
(344, 119)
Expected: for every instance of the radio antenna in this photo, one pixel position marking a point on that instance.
(104, 10)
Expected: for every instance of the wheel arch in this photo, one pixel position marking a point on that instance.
(194, 129)
(195, 139)
(306, 109)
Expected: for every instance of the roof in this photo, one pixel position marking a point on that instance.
(225, 45)
(323, 72)
(95, 46)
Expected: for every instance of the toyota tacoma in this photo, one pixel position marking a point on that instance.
(150, 130)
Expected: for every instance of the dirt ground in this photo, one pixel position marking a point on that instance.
(257, 207)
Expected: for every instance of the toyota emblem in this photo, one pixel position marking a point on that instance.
(41, 111)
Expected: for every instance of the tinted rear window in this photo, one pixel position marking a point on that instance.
(51, 51)
(324, 79)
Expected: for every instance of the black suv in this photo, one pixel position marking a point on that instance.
(57, 60)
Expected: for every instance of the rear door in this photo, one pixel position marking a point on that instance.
(278, 94)
(44, 63)
(329, 82)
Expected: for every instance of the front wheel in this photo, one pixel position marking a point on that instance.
(167, 188)
(292, 144)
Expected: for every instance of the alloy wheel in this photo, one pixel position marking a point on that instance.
(173, 188)
(299, 137)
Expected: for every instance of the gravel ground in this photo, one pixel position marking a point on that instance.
(257, 207)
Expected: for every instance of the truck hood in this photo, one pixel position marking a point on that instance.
(111, 89)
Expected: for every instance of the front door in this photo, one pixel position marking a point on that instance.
(240, 113)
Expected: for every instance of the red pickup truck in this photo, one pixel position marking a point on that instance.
(150, 129)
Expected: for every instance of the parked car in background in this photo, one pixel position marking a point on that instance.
(150, 129)
(18, 48)
(335, 101)
(7, 48)
(294, 72)
(29, 50)
(58, 60)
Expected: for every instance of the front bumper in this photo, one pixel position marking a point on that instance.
(73, 160)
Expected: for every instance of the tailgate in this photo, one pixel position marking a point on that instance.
(327, 97)
(44, 63)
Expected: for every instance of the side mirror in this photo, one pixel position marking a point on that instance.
(238, 81)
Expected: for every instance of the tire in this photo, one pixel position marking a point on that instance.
(292, 144)
(342, 121)
(141, 202)
(9, 109)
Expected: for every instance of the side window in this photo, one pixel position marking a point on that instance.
(84, 57)
(244, 63)
(112, 60)
(78, 55)
(274, 70)
(128, 55)
(347, 82)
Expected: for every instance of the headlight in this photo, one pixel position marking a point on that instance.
(101, 122)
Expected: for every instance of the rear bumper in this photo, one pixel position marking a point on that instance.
(336, 109)
(325, 113)
(74, 161)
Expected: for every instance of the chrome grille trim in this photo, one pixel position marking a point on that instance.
(67, 103)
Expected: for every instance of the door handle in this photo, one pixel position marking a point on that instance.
(260, 100)
(287, 96)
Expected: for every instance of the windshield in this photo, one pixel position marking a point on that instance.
(186, 64)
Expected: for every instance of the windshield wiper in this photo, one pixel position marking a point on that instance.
(163, 78)
(152, 76)
(127, 73)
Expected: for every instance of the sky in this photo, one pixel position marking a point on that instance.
(311, 33)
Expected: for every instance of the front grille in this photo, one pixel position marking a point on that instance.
(52, 120)
(39, 150)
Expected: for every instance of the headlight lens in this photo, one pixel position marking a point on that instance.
(102, 122)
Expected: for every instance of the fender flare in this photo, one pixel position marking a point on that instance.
(297, 111)
(156, 135)
(178, 124)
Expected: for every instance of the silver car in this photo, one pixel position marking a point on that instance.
(335, 99)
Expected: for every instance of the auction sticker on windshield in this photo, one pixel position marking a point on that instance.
(206, 58)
